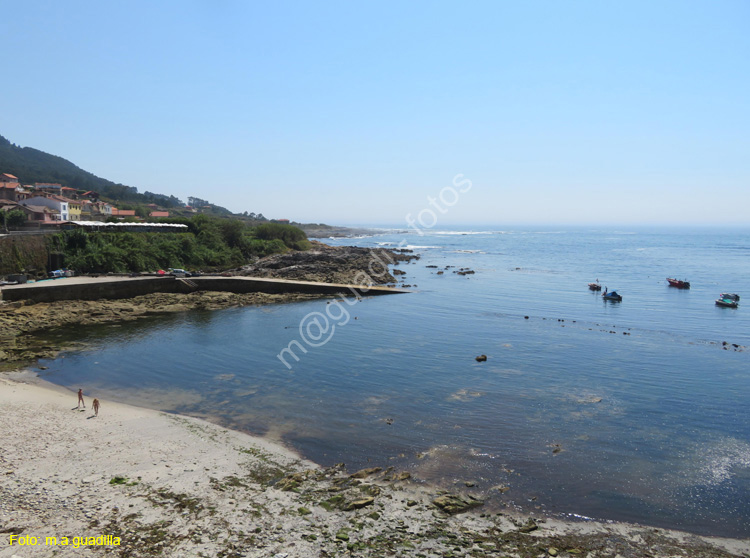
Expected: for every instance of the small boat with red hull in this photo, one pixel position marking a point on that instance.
(677, 283)
(595, 287)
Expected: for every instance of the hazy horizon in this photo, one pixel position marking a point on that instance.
(559, 114)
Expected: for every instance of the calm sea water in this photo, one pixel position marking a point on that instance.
(631, 411)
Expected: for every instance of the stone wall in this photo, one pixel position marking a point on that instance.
(23, 253)
(92, 289)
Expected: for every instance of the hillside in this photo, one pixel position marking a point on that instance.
(32, 165)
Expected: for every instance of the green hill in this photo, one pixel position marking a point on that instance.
(31, 165)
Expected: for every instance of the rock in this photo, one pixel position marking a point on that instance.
(529, 526)
(358, 504)
(402, 476)
(363, 473)
(342, 536)
(552, 551)
(481, 358)
(453, 504)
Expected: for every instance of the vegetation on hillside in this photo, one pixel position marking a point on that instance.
(209, 244)
(31, 165)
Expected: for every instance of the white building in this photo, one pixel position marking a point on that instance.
(51, 202)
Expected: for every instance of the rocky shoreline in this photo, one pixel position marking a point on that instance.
(21, 322)
(166, 485)
(332, 264)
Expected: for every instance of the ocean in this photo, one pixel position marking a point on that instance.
(632, 411)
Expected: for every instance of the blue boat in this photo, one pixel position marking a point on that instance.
(612, 295)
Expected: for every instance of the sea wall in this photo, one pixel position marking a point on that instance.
(87, 288)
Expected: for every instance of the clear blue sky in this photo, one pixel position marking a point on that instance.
(354, 112)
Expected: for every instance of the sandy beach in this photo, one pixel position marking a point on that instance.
(167, 485)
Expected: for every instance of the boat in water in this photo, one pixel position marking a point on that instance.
(728, 300)
(595, 287)
(612, 296)
(677, 283)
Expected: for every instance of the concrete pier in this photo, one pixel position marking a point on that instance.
(94, 288)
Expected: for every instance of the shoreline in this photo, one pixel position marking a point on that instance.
(30, 322)
(174, 485)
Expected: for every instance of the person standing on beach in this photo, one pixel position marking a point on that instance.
(95, 404)
(80, 399)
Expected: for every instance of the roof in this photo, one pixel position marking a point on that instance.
(103, 224)
(6, 175)
(39, 208)
(159, 214)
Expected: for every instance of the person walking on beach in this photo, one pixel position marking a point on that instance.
(80, 399)
(95, 404)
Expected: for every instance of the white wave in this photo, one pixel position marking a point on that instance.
(414, 247)
(456, 233)
(468, 252)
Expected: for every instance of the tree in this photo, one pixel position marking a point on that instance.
(15, 218)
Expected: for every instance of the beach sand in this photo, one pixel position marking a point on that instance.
(168, 485)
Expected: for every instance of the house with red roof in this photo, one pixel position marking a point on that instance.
(8, 187)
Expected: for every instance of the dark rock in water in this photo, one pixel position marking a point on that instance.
(440, 272)
(525, 317)
(481, 358)
(453, 504)
(431, 266)
(398, 272)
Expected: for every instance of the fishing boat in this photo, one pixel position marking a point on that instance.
(612, 296)
(728, 300)
(677, 283)
(595, 286)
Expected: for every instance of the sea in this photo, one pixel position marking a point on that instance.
(635, 411)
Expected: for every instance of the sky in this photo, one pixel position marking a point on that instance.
(501, 113)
